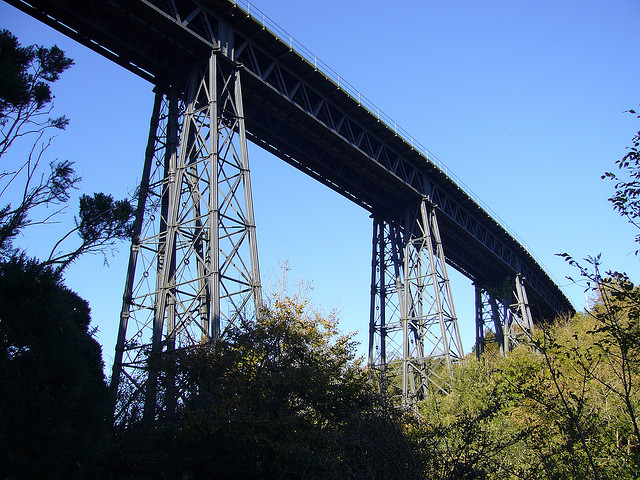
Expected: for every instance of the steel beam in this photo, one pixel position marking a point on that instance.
(195, 270)
(299, 113)
(489, 330)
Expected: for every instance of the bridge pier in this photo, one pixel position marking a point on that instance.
(413, 333)
(503, 317)
(193, 266)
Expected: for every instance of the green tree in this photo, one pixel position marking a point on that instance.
(53, 420)
(612, 360)
(26, 102)
(279, 397)
(518, 416)
(626, 199)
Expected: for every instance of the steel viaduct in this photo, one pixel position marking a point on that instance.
(221, 77)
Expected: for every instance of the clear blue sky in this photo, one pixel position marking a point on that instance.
(524, 101)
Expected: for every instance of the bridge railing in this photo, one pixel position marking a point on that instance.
(362, 100)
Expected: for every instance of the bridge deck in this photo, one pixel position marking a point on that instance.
(298, 113)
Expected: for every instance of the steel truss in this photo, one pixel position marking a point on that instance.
(413, 333)
(503, 317)
(193, 267)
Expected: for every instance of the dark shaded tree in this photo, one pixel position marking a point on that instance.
(53, 420)
(26, 75)
(101, 222)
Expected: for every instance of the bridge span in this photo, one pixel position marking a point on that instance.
(222, 76)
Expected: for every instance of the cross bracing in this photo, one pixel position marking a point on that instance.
(503, 316)
(413, 330)
(300, 114)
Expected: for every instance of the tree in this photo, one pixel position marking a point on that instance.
(610, 358)
(615, 316)
(25, 104)
(533, 414)
(26, 101)
(53, 420)
(614, 359)
(626, 199)
(282, 396)
(26, 74)
(100, 223)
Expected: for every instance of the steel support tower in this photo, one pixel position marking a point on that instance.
(413, 332)
(503, 317)
(193, 266)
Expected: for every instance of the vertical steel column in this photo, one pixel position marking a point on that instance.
(480, 321)
(143, 193)
(520, 323)
(497, 324)
(508, 307)
(165, 265)
(414, 318)
(377, 319)
(238, 266)
(432, 326)
(385, 337)
(489, 329)
(250, 223)
(194, 263)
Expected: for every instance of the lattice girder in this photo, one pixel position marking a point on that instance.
(503, 316)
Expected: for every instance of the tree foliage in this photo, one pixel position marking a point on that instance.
(280, 397)
(53, 420)
(26, 74)
(563, 406)
(101, 222)
(26, 101)
(626, 199)
(534, 414)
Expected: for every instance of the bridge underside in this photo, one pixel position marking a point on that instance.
(221, 78)
(296, 112)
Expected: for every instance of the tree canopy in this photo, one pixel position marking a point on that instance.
(53, 421)
(282, 396)
(54, 418)
(26, 102)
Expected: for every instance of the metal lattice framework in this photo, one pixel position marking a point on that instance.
(304, 116)
(489, 335)
(503, 317)
(193, 267)
(414, 335)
